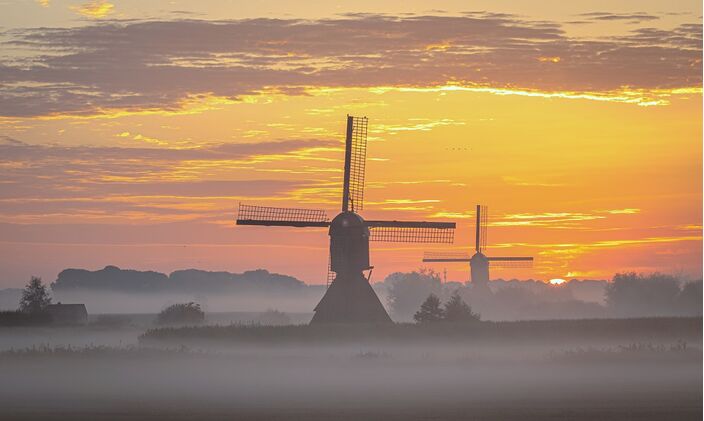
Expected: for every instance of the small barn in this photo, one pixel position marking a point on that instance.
(68, 314)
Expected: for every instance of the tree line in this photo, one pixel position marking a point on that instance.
(625, 295)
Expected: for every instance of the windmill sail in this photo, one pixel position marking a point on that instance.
(511, 262)
(445, 256)
(355, 164)
(480, 228)
(411, 231)
(286, 217)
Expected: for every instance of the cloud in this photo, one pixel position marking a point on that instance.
(626, 211)
(632, 18)
(144, 184)
(418, 124)
(553, 220)
(95, 9)
(44, 3)
(133, 66)
(547, 219)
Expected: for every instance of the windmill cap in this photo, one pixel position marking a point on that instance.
(346, 222)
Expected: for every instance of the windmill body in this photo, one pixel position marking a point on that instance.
(479, 270)
(350, 297)
(479, 262)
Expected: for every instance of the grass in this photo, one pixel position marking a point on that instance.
(633, 353)
(94, 351)
(548, 331)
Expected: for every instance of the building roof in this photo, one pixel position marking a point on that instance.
(62, 312)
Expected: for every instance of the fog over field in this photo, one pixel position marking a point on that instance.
(588, 352)
(639, 369)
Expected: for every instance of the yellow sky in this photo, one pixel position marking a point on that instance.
(585, 173)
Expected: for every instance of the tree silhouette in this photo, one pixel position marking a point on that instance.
(633, 295)
(456, 310)
(35, 297)
(187, 313)
(430, 310)
(408, 290)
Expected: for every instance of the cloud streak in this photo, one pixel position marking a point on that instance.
(43, 182)
(133, 66)
(95, 9)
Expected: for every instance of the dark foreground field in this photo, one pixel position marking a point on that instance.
(647, 369)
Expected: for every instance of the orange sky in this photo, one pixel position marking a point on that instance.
(131, 142)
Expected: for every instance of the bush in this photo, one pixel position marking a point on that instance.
(456, 310)
(430, 310)
(187, 313)
(273, 318)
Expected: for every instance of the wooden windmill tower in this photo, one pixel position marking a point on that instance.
(350, 298)
(479, 263)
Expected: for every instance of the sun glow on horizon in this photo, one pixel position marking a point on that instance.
(557, 281)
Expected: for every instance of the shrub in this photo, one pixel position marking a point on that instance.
(187, 313)
(430, 310)
(273, 318)
(456, 310)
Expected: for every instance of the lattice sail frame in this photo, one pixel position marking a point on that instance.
(511, 262)
(358, 162)
(482, 222)
(445, 256)
(412, 235)
(252, 213)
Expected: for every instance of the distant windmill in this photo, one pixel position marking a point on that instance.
(350, 298)
(479, 263)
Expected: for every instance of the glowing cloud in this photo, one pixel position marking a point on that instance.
(96, 9)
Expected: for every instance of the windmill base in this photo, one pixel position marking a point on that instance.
(350, 299)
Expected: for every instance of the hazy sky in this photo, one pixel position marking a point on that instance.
(130, 131)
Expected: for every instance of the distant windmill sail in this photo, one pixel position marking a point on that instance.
(479, 263)
(449, 257)
(480, 228)
(350, 297)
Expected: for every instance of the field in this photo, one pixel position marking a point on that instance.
(636, 369)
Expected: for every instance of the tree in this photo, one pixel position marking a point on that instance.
(456, 310)
(35, 297)
(634, 295)
(408, 290)
(430, 310)
(187, 313)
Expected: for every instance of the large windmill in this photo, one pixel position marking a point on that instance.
(350, 298)
(479, 263)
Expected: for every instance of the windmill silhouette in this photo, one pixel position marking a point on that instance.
(350, 298)
(479, 263)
